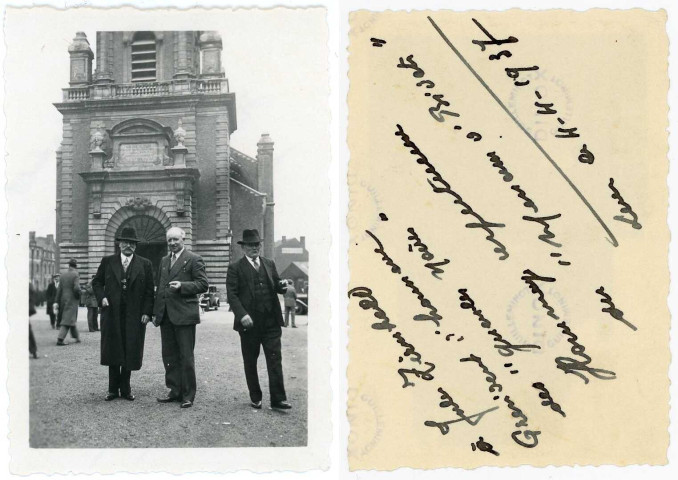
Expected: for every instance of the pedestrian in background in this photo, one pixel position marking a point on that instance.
(51, 296)
(67, 302)
(90, 301)
(32, 346)
(290, 296)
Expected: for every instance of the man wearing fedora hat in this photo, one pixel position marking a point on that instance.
(66, 303)
(252, 285)
(181, 278)
(123, 286)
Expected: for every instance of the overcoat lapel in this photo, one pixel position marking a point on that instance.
(117, 268)
(135, 267)
(181, 261)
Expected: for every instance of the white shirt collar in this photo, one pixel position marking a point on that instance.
(252, 261)
(123, 257)
(178, 254)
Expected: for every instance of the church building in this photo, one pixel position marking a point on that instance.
(146, 143)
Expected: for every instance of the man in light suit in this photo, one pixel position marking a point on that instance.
(181, 278)
(252, 285)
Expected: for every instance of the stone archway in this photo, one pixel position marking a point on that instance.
(150, 225)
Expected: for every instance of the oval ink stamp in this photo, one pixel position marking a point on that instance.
(528, 322)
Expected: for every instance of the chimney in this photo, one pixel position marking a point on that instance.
(31, 238)
(50, 238)
(284, 239)
(303, 242)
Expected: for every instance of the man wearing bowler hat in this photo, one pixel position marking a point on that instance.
(123, 286)
(252, 285)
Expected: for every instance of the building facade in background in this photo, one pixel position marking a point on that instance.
(146, 143)
(291, 259)
(42, 260)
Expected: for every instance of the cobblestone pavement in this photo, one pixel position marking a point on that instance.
(68, 385)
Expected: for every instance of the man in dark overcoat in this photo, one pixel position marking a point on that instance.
(123, 286)
(252, 285)
(66, 303)
(181, 278)
(51, 296)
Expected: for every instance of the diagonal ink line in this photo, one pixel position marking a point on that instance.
(581, 196)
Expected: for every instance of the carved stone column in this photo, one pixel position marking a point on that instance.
(103, 78)
(182, 66)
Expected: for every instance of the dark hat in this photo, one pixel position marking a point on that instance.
(250, 236)
(128, 234)
(73, 263)
(56, 275)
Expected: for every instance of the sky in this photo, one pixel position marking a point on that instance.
(275, 61)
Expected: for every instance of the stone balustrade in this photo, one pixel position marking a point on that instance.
(211, 86)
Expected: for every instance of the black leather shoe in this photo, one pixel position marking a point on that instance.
(128, 396)
(186, 404)
(111, 396)
(281, 405)
(256, 405)
(167, 399)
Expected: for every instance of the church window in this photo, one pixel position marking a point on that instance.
(144, 55)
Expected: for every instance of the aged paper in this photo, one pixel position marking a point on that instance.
(508, 229)
(58, 418)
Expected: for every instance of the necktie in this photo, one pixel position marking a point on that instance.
(256, 263)
(174, 259)
(125, 264)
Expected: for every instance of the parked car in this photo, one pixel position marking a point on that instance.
(210, 299)
(302, 304)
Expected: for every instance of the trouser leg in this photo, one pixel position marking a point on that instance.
(114, 379)
(250, 347)
(287, 316)
(63, 331)
(32, 347)
(91, 318)
(74, 332)
(185, 336)
(125, 377)
(170, 358)
(293, 312)
(273, 353)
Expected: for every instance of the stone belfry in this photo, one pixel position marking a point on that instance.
(146, 143)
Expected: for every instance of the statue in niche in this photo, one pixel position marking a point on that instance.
(97, 142)
(180, 135)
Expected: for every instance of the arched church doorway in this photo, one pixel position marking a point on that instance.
(151, 233)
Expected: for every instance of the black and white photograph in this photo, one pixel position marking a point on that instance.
(168, 184)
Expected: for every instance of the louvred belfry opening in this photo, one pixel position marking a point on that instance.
(144, 57)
